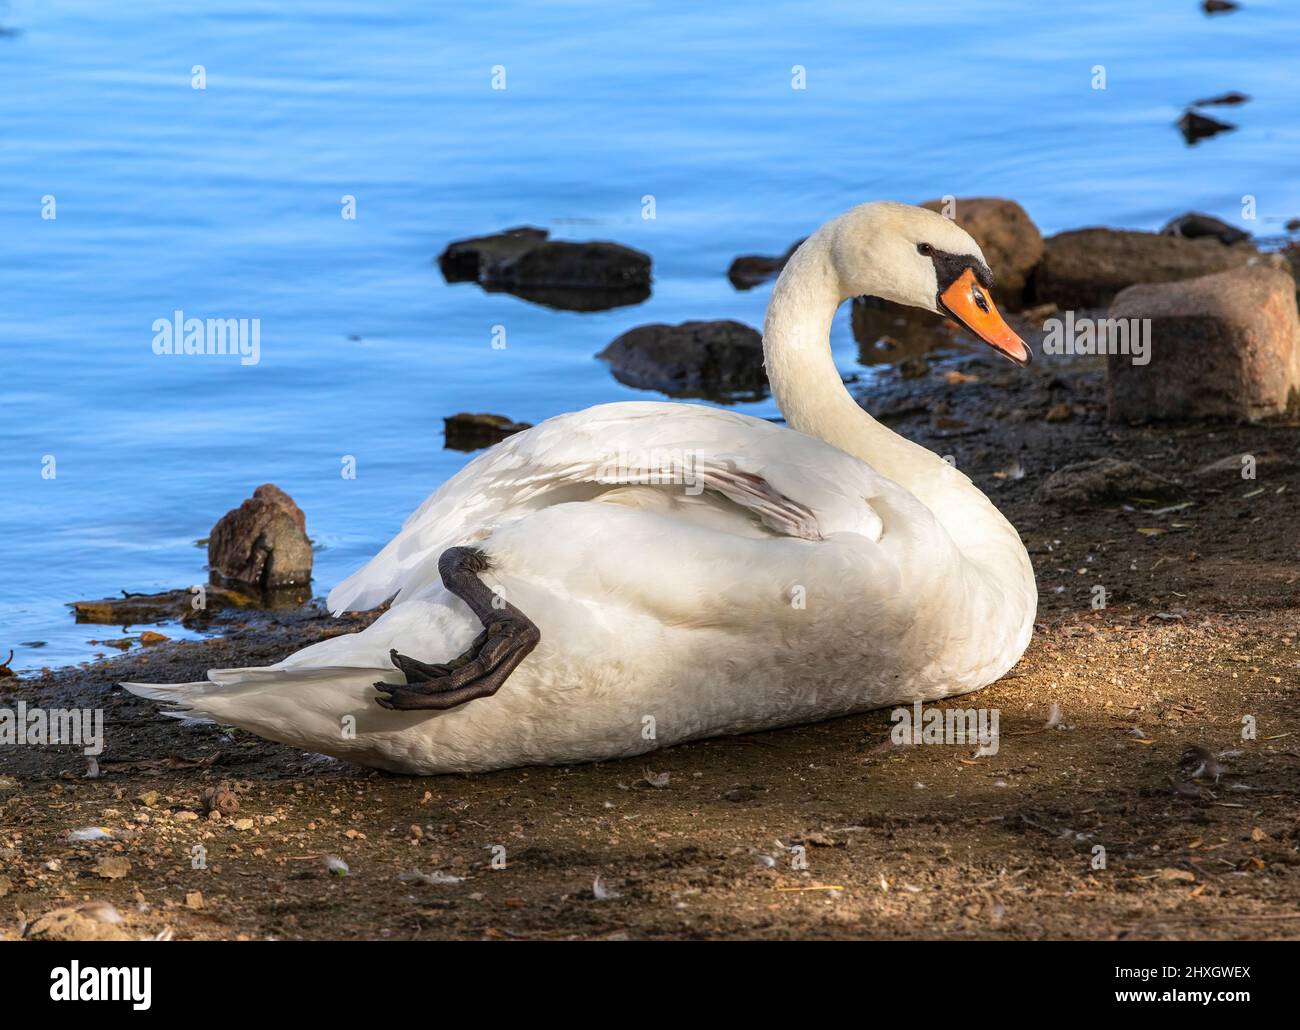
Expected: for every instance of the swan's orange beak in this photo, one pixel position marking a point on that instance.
(966, 301)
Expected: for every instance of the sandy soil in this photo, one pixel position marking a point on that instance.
(819, 831)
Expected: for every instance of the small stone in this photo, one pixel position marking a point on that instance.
(220, 798)
(243, 824)
(149, 798)
(113, 867)
(470, 432)
(194, 899)
(148, 638)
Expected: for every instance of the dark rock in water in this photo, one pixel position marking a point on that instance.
(471, 260)
(584, 276)
(1104, 480)
(1222, 346)
(1085, 268)
(718, 360)
(1293, 225)
(1232, 97)
(750, 270)
(262, 543)
(471, 432)
(1219, 6)
(1196, 127)
(1194, 225)
(575, 298)
(1006, 234)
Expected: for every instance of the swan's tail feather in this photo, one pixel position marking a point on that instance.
(181, 695)
(269, 701)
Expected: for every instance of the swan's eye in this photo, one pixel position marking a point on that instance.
(978, 295)
(925, 248)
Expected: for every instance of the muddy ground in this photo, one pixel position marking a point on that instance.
(1198, 639)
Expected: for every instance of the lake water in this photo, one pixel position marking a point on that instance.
(226, 202)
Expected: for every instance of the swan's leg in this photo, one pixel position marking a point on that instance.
(507, 638)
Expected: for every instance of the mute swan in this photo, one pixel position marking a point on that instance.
(639, 574)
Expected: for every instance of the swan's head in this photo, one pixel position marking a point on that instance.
(917, 257)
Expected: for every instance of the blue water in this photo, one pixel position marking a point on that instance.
(226, 202)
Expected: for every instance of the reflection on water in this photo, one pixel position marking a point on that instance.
(889, 334)
(228, 201)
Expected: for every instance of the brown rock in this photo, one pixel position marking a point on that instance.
(470, 432)
(1087, 267)
(721, 360)
(1106, 479)
(1006, 234)
(113, 867)
(220, 798)
(1222, 346)
(263, 542)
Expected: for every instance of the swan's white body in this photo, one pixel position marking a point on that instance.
(786, 576)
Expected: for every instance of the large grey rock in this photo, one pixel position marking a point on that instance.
(262, 543)
(1006, 234)
(1086, 268)
(720, 360)
(1222, 346)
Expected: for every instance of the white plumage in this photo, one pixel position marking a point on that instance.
(771, 577)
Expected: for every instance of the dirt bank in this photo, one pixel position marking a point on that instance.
(1199, 633)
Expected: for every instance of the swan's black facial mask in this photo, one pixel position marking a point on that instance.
(963, 280)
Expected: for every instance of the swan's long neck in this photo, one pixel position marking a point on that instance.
(808, 387)
(812, 396)
(796, 344)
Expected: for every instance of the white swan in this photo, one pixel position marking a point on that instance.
(652, 573)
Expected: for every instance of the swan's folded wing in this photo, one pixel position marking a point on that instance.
(794, 485)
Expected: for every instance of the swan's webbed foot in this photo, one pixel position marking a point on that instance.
(507, 638)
